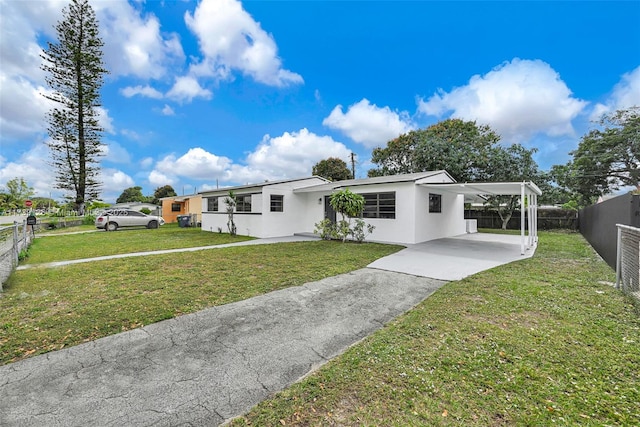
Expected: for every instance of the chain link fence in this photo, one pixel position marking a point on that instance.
(13, 239)
(628, 260)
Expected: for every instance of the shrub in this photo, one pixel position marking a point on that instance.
(361, 230)
(145, 211)
(326, 229)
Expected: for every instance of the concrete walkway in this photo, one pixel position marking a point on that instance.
(207, 367)
(172, 251)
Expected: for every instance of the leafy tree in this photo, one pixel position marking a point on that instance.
(43, 203)
(515, 164)
(16, 192)
(348, 205)
(467, 151)
(333, 169)
(606, 159)
(75, 75)
(131, 194)
(164, 191)
(462, 148)
(97, 204)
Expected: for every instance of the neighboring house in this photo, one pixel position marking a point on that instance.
(174, 206)
(409, 208)
(137, 206)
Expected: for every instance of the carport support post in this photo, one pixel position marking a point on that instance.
(522, 218)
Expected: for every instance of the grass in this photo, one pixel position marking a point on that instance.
(45, 309)
(538, 342)
(64, 230)
(126, 240)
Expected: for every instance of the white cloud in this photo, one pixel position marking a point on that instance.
(230, 39)
(114, 181)
(369, 124)
(33, 167)
(625, 94)
(135, 44)
(168, 111)
(186, 88)
(518, 99)
(16, 121)
(291, 155)
(116, 153)
(196, 164)
(104, 120)
(146, 91)
(23, 24)
(146, 163)
(158, 179)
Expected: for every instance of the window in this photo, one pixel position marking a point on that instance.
(435, 203)
(175, 207)
(243, 203)
(277, 203)
(212, 204)
(379, 205)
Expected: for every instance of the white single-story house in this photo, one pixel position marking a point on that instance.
(406, 209)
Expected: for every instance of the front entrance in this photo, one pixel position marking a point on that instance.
(329, 212)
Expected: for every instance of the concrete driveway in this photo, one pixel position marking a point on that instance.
(454, 258)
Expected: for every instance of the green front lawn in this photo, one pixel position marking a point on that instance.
(44, 309)
(540, 342)
(125, 240)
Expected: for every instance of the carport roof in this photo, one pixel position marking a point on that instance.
(488, 188)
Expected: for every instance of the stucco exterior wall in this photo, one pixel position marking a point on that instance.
(394, 230)
(188, 205)
(413, 223)
(261, 222)
(432, 225)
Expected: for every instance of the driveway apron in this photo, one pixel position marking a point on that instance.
(207, 367)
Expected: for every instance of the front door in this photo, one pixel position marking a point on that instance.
(329, 212)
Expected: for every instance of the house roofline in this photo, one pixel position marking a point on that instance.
(260, 185)
(386, 179)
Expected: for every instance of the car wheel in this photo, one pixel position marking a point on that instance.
(112, 226)
(152, 224)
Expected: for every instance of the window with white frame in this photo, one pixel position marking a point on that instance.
(435, 203)
(243, 203)
(212, 204)
(277, 203)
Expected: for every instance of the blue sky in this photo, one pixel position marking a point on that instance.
(221, 92)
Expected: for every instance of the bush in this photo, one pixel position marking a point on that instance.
(145, 211)
(326, 229)
(361, 230)
(88, 220)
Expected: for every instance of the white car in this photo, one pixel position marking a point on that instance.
(113, 219)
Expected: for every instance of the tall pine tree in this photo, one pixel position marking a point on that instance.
(75, 75)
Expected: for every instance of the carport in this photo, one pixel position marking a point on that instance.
(454, 258)
(528, 192)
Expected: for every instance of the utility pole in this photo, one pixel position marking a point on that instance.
(353, 165)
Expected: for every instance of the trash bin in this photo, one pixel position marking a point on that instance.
(184, 220)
